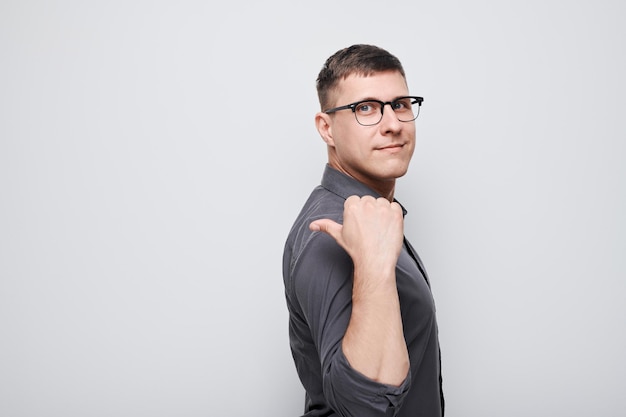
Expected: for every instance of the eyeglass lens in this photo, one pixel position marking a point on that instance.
(371, 112)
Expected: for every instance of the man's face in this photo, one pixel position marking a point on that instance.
(374, 155)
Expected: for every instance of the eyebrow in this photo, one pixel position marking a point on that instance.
(378, 99)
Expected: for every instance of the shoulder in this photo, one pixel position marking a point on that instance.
(314, 248)
(321, 204)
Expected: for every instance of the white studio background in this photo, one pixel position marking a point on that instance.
(154, 154)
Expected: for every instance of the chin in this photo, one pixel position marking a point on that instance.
(395, 171)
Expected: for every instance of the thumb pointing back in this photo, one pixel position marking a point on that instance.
(329, 227)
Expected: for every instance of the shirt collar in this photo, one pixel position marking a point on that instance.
(344, 186)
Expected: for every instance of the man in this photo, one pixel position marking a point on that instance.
(362, 324)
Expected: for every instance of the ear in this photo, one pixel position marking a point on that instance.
(323, 122)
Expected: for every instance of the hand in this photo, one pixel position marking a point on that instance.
(372, 231)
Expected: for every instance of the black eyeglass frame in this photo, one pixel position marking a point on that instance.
(353, 106)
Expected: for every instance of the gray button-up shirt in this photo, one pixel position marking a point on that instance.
(317, 275)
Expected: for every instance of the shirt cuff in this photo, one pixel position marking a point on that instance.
(353, 391)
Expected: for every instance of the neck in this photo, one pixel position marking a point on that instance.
(388, 195)
(385, 188)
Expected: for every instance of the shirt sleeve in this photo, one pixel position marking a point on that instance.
(323, 287)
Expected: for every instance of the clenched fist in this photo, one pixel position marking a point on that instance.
(372, 232)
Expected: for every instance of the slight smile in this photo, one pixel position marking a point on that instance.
(393, 148)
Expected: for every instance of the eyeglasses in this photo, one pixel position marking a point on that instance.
(370, 112)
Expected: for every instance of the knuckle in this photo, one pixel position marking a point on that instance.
(353, 199)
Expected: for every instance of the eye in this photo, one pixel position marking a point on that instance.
(401, 104)
(366, 107)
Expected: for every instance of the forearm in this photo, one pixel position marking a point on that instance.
(374, 341)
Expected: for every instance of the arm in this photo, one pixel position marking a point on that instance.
(372, 234)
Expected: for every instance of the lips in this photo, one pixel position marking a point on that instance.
(391, 147)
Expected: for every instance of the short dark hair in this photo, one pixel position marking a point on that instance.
(357, 59)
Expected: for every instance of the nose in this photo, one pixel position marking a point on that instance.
(389, 121)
